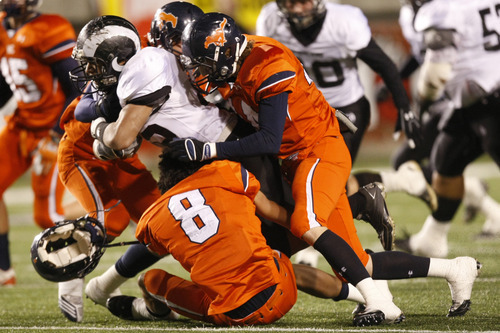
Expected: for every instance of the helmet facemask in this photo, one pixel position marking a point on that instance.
(303, 19)
(19, 8)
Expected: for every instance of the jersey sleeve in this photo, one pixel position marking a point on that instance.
(57, 38)
(267, 20)
(146, 78)
(276, 76)
(436, 15)
(353, 25)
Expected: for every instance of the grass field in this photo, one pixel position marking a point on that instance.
(31, 306)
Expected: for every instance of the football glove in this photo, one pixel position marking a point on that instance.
(104, 153)
(45, 154)
(192, 150)
(410, 125)
(97, 128)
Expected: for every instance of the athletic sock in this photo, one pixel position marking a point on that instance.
(135, 259)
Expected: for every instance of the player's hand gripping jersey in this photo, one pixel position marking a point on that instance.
(26, 55)
(152, 78)
(330, 59)
(208, 223)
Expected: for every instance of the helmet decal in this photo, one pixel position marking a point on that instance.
(168, 18)
(218, 38)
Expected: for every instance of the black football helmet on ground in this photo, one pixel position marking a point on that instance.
(212, 47)
(169, 22)
(69, 250)
(302, 20)
(103, 47)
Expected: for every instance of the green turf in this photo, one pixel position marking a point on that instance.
(31, 306)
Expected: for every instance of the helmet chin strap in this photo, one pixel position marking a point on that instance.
(240, 47)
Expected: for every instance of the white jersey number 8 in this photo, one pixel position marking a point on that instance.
(198, 220)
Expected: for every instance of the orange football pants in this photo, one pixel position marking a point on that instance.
(319, 190)
(189, 299)
(17, 146)
(113, 191)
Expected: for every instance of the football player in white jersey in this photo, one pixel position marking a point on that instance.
(462, 41)
(476, 199)
(328, 38)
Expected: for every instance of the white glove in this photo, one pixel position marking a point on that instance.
(97, 128)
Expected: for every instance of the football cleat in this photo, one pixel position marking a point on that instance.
(377, 214)
(71, 307)
(71, 299)
(133, 308)
(387, 313)
(460, 280)
(431, 241)
(7, 278)
(308, 256)
(414, 183)
(97, 294)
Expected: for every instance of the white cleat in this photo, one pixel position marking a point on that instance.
(70, 299)
(413, 182)
(384, 312)
(308, 256)
(97, 294)
(491, 228)
(460, 280)
(436, 247)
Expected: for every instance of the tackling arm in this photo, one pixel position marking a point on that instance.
(270, 210)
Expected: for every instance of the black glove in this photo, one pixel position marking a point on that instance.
(410, 125)
(191, 150)
(108, 106)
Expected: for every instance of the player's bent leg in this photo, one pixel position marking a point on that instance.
(182, 296)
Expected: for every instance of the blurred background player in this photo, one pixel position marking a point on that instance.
(35, 52)
(462, 48)
(476, 199)
(328, 39)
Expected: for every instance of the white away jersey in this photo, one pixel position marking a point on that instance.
(477, 26)
(414, 38)
(330, 60)
(182, 115)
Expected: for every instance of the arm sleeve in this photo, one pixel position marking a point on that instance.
(61, 71)
(267, 140)
(409, 67)
(374, 57)
(85, 110)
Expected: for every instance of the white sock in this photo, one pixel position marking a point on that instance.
(383, 286)
(354, 295)
(391, 181)
(433, 228)
(111, 280)
(439, 267)
(370, 292)
(71, 287)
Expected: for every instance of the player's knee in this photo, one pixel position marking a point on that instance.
(43, 220)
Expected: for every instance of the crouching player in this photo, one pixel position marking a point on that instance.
(206, 220)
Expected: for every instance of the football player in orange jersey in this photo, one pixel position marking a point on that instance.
(35, 55)
(237, 279)
(268, 86)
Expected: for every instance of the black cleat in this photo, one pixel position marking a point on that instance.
(377, 214)
(458, 311)
(121, 306)
(368, 319)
